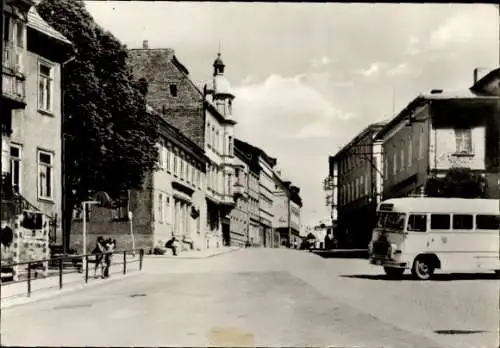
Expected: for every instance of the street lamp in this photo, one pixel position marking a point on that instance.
(84, 237)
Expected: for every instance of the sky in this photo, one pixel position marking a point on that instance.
(309, 77)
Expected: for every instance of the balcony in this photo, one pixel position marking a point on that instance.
(13, 80)
(239, 190)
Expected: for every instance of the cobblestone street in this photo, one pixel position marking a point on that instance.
(263, 297)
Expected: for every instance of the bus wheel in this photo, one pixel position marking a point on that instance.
(393, 272)
(423, 268)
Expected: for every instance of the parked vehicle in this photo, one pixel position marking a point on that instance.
(425, 234)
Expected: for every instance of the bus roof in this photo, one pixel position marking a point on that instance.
(444, 205)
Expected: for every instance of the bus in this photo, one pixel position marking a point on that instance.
(425, 234)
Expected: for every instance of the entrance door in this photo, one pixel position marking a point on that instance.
(226, 235)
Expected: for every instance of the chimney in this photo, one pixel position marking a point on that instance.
(476, 70)
(436, 91)
(145, 44)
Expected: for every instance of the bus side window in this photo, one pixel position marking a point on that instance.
(488, 222)
(462, 222)
(440, 222)
(417, 223)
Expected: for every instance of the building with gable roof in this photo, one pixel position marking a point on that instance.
(205, 117)
(441, 130)
(31, 112)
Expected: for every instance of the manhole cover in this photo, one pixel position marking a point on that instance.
(73, 306)
(138, 295)
(458, 332)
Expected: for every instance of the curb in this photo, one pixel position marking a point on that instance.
(189, 257)
(48, 293)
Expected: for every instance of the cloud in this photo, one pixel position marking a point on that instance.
(401, 69)
(324, 60)
(373, 70)
(413, 47)
(471, 24)
(285, 107)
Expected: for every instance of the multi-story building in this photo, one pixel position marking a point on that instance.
(356, 168)
(240, 215)
(205, 117)
(265, 174)
(287, 205)
(169, 204)
(31, 113)
(439, 131)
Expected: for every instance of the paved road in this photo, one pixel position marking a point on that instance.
(263, 297)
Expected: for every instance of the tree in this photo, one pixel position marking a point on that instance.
(109, 136)
(458, 183)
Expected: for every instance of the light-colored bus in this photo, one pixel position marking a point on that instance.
(425, 234)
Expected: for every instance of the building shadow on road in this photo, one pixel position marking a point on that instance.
(437, 277)
(342, 254)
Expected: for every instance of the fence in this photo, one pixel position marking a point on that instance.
(76, 262)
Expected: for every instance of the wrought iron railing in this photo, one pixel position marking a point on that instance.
(77, 260)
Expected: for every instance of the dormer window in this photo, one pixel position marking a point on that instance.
(173, 90)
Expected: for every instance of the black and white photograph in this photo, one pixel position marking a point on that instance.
(249, 174)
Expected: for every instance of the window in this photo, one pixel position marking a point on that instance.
(230, 107)
(168, 160)
(402, 155)
(19, 34)
(217, 140)
(193, 175)
(386, 166)
(45, 174)
(410, 152)
(121, 208)
(230, 141)
(188, 173)
(440, 222)
(367, 191)
(421, 144)
(182, 169)
(15, 167)
(160, 207)
(166, 210)
(213, 136)
(463, 140)
(45, 72)
(198, 178)
(394, 164)
(462, 222)
(208, 134)
(417, 223)
(488, 222)
(161, 154)
(173, 90)
(176, 169)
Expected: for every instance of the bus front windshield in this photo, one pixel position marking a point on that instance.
(393, 221)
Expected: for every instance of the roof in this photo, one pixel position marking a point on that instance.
(486, 79)
(445, 205)
(374, 127)
(254, 150)
(177, 133)
(36, 22)
(424, 98)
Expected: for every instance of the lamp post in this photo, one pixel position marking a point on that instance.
(84, 236)
(130, 217)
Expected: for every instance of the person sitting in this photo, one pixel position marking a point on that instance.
(172, 244)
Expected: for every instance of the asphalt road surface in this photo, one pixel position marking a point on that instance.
(264, 297)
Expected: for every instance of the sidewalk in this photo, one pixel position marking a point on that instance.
(194, 254)
(16, 293)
